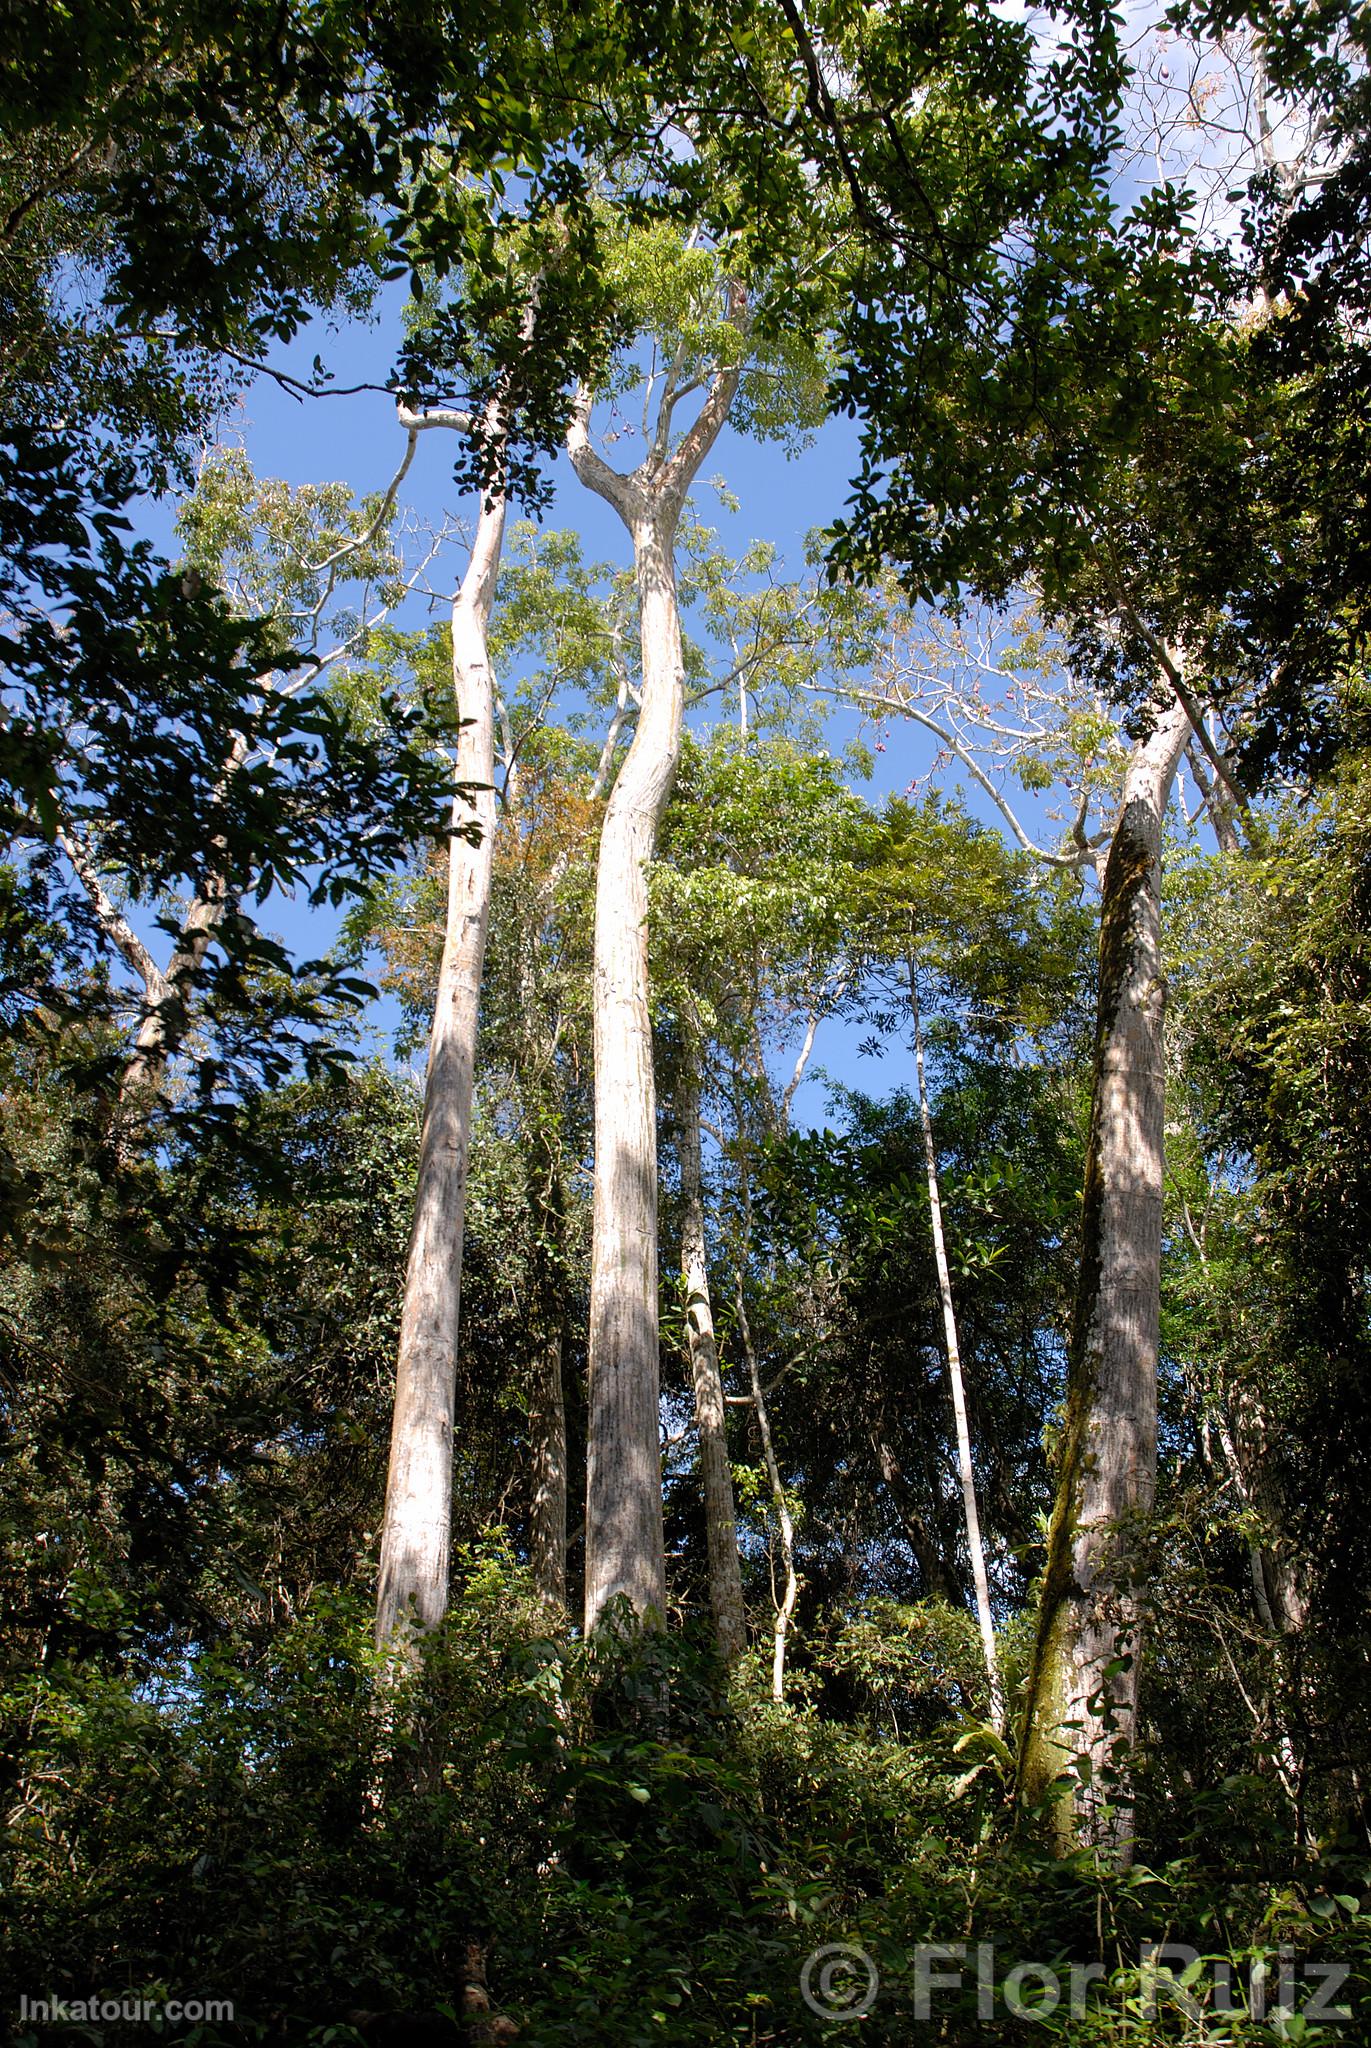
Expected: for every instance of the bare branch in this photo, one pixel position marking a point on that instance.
(1082, 857)
(607, 752)
(358, 541)
(801, 1062)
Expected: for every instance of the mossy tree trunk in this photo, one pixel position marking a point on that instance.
(1083, 1688)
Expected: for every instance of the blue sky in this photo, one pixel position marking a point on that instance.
(355, 439)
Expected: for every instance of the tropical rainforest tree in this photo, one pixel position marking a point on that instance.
(996, 1483)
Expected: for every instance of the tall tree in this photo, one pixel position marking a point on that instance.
(748, 957)
(936, 898)
(412, 1582)
(1083, 1691)
(965, 1469)
(624, 1545)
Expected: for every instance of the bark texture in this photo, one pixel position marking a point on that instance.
(625, 1553)
(416, 1531)
(1083, 1687)
(624, 1544)
(716, 1474)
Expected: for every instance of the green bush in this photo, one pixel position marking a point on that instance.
(643, 1856)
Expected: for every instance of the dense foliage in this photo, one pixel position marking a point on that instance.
(1095, 291)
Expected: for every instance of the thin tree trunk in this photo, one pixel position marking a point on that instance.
(716, 1475)
(1248, 1448)
(928, 1552)
(1083, 1687)
(166, 996)
(965, 1469)
(785, 1606)
(416, 1531)
(547, 1434)
(167, 1017)
(1223, 812)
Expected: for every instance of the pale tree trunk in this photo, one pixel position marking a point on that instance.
(785, 1603)
(785, 1600)
(416, 1530)
(716, 1474)
(167, 994)
(624, 1543)
(1218, 802)
(625, 1553)
(966, 1472)
(167, 1018)
(1083, 1687)
(115, 926)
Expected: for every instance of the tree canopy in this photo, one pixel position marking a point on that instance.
(684, 929)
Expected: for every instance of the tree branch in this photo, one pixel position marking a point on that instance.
(1081, 858)
(684, 465)
(590, 466)
(358, 541)
(112, 922)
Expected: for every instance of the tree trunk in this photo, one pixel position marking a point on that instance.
(166, 1018)
(966, 1471)
(721, 1530)
(1083, 1687)
(937, 1581)
(625, 1551)
(167, 997)
(547, 1436)
(624, 1544)
(416, 1531)
(785, 1605)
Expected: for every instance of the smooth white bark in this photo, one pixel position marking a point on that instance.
(416, 1529)
(965, 1469)
(785, 1605)
(624, 1544)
